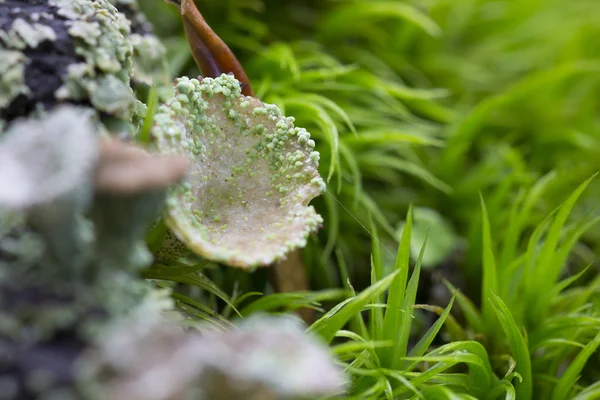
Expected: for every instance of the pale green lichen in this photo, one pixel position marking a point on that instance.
(74, 9)
(70, 253)
(13, 62)
(245, 202)
(23, 34)
(112, 95)
(92, 61)
(17, 251)
(12, 79)
(101, 36)
(149, 54)
(149, 62)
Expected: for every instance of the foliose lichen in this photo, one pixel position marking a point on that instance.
(245, 202)
(74, 51)
(149, 54)
(100, 34)
(68, 258)
(12, 80)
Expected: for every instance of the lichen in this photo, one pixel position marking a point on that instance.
(12, 79)
(72, 216)
(245, 202)
(101, 36)
(262, 358)
(271, 353)
(149, 62)
(149, 54)
(71, 245)
(20, 248)
(24, 34)
(76, 51)
(131, 10)
(39, 167)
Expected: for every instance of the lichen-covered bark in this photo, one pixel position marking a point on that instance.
(131, 10)
(63, 281)
(42, 61)
(76, 51)
(149, 63)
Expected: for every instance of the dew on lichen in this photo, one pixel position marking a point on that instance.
(253, 174)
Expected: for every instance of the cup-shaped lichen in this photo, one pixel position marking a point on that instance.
(245, 201)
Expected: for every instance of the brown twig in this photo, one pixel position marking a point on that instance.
(211, 54)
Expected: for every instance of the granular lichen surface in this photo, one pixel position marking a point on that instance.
(56, 51)
(245, 202)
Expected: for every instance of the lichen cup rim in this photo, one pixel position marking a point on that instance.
(246, 200)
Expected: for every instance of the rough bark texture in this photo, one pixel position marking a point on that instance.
(47, 63)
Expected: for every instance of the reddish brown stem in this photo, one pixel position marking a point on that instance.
(204, 60)
(211, 54)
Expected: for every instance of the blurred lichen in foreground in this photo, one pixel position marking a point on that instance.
(261, 358)
(63, 279)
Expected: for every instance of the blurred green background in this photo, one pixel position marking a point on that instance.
(440, 104)
(427, 102)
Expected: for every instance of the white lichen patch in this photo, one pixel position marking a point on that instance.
(245, 201)
(12, 78)
(42, 159)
